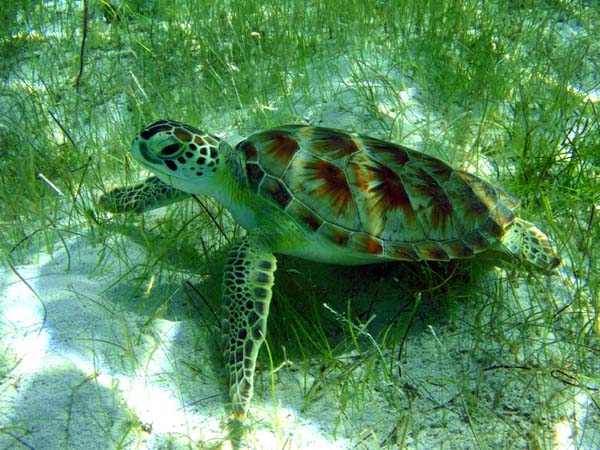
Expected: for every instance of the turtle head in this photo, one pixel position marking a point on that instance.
(180, 155)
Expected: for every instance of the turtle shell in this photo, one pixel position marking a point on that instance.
(375, 197)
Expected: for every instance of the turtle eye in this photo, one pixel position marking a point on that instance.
(170, 150)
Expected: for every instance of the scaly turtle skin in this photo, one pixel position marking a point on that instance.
(324, 195)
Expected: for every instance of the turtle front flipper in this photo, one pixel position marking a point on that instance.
(247, 281)
(150, 194)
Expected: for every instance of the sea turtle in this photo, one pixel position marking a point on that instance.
(325, 195)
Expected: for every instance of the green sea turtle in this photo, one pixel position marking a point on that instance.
(324, 195)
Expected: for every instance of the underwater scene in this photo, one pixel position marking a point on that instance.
(299, 224)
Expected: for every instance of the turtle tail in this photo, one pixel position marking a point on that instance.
(525, 241)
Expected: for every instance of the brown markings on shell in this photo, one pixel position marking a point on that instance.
(431, 251)
(503, 216)
(359, 178)
(507, 199)
(401, 251)
(255, 175)
(330, 185)
(467, 205)
(457, 248)
(385, 196)
(485, 192)
(420, 206)
(332, 144)
(420, 227)
(366, 244)
(388, 190)
(496, 203)
(335, 234)
(435, 211)
(305, 215)
(491, 228)
(437, 169)
(274, 189)
(248, 149)
(391, 155)
(476, 241)
(383, 204)
(275, 149)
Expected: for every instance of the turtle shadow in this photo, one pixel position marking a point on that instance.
(370, 298)
(319, 312)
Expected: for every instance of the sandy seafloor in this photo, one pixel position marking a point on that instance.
(94, 363)
(87, 370)
(91, 373)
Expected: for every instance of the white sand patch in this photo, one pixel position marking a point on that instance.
(80, 371)
(90, 362)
